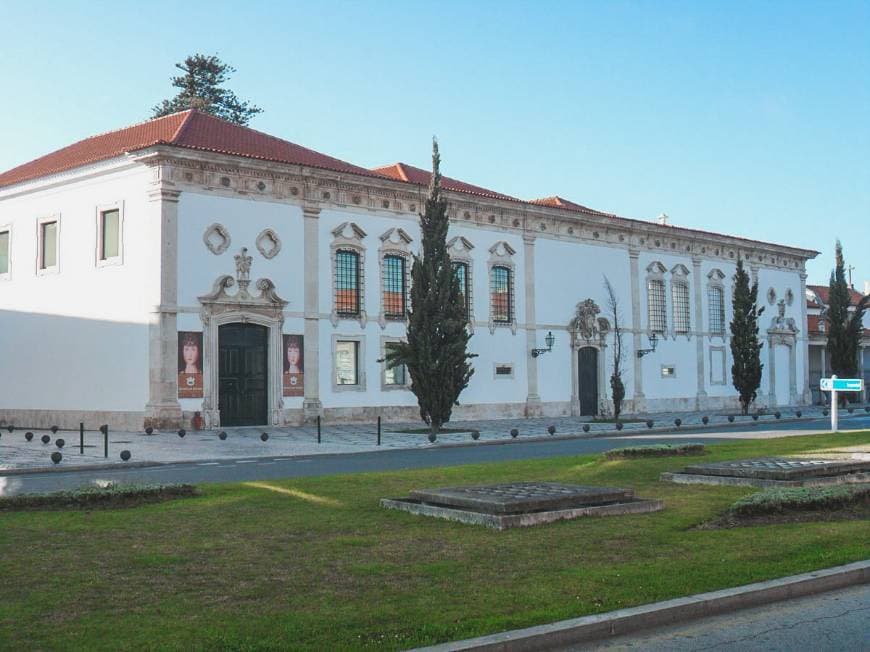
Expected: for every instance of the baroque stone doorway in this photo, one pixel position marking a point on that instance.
(243, 371)
(587, 369)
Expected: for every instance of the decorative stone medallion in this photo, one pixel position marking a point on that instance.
(268, 243)
(216, 239)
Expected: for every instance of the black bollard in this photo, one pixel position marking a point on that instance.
(318, 428)
(81, 439)
(125, 455)
(105, 430)
(56, 457)
(379, 431)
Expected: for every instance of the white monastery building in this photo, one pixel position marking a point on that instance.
(189, 265)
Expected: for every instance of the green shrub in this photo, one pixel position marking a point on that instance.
(771, 501)
(111, 495)
(655, 450)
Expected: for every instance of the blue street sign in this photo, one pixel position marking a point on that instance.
(842, 384)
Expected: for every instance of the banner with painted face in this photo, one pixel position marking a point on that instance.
(189, 364)
(294, 365)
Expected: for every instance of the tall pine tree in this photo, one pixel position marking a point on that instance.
(745, 345)
(845, 329)
(436, 353)
(200, 88)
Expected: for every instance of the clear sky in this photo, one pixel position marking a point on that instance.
(748, 117)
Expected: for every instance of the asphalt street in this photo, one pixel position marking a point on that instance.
(271, 468)
(837, 621)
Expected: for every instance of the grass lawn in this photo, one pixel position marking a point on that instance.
(316, 564)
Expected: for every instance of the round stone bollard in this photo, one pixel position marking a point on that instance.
(867, 409)
(149, 430)
(551, 429)
(515, 433)
(10, 428)
(678, 422)
(60, 443)
(619, 425)
(56, 457)
(182, 433)
(264, 436)
(28, 436)
(755, 417)
(54, 430)
(45, 439)
(705, 419)
(585, 427)
(475, 434)
(125, 455)
(730, 418)
(222, 435)
(850, 410)
(825, 412)
(777, 414)
(798, 414)
(649, 423)
(432, 437)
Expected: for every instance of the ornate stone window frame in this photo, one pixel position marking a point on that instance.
(7, 275)
(220, 230)
(360, 363)
(680, 278)
(655, 271)
(98, 217)
(40, 223)
(714, 352)
(783, 331)
(220, 307)
(501, 255)
(394, 242)
(716, 281)
(268, 243)
(459, 249)
(348, 236)
(588, 330)
(385, 341)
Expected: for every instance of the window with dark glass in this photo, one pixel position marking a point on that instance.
(656, 311)
(4, 252)
(393, 375)
(394, 287)
(48, 244)
(347, 283)
(716, 299)
(461, 271)
(347, 363)
(500, 293)
(110, 234)
(680, 297)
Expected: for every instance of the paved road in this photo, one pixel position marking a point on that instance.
(839, 620)
(270, 468)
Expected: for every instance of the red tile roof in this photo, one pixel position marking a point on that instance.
(561, 202)
(813, 322)
(190, 129)
(411, 174)
(822, 292)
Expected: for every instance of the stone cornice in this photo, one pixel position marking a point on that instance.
(307, 186)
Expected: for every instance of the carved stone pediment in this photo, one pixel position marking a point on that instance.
(221, 300)
(586, 326)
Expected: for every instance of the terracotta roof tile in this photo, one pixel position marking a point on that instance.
(190, 129)
(417, 176)
(822, 292)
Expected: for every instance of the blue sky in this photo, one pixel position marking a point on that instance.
(750, 118)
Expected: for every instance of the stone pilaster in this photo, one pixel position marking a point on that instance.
(636, 328)
(804, 343)
(311, 405)
(533, 400)
(699, 332)
(163, 410)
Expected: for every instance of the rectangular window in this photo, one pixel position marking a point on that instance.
(347, 363)
(110, 234)
(500, 291)
(716, 299)
(48, 245)
(4, 252)
(396, 375)
(680, 297)
(347, 283)
(656, 311)
(669, 371)
(504, 370)
(394, 287)
(461, 271)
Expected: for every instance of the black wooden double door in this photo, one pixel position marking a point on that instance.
(587, 370)
(242, 374)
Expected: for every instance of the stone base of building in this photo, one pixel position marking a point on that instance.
(70, 419)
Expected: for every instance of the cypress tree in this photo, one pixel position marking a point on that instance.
(745, 345)
(845, 329)
(436, 351)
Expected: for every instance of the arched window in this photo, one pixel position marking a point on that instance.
(460, 269)
(656, 308)
(500, 294)
(347, 283)
(395, 290)
(680, 299)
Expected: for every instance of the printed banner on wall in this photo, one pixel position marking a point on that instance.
(294, 366)
(189, 364)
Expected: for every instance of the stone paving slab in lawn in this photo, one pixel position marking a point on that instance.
(18, 454)
(780, 468)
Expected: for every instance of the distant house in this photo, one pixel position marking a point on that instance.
(817, 330)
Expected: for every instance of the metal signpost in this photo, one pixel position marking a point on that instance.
(834, 385)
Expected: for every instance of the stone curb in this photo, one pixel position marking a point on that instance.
(607, 434)
(702, 605)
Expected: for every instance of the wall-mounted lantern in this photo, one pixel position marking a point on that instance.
(549, 341)
(653, 340)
